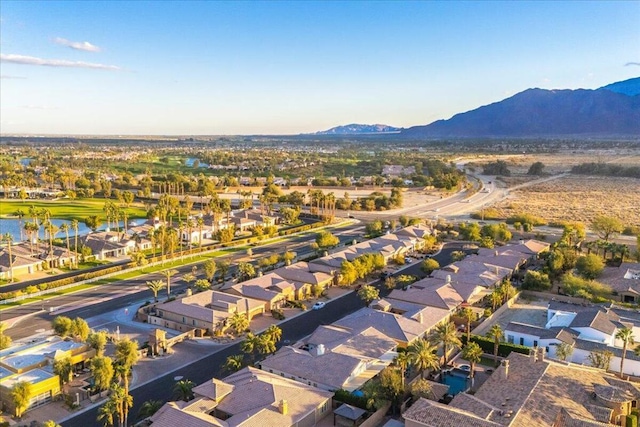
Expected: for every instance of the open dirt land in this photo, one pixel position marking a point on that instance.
(578, 198)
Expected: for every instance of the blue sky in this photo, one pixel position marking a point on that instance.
(189, 68)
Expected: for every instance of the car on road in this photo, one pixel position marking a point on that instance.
(408, 260)
(465, 367)
(319, 305)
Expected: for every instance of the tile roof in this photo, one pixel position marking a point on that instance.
(392, 325)
(434, 414)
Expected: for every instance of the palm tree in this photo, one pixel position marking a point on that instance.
(74, 225)
(239, 322)
(496, 298)
(234, 363)
(469, 316)
(251, 344)
(32, 231)
(274, 333)
(8, 237)
(64, 227)
(446, 335)
(626, 336)
(20, 214)
(200, 224)
(223, 267)
(106, 413)
(155, 286)
(149, 408)
(422, 355)
(183, 390)
(497, 334)
(168, 274)
(472, 352)
(403, 360)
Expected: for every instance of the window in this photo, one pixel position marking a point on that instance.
(194, 322)
(535, 343)
(183, 321)
(521, 341)
(510, 339)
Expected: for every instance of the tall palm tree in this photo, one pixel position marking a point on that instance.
(64, 227)
(8, 237)
(469, 316)
(497, 334)
(32, 233)
(234, 363)
(20, 214)
(155, 286)
(200, 224)
(422, 355)
(496, 298)
(403, 360)
(251, 344)
(626, 336)
(168, 274)
(149, 408)
(447, 335)
(273, 332)
(106, 413)
(238, 322)
(74, 225)
(472, 352)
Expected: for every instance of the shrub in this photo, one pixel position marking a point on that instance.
(277, 314)
(350, 399)
(504, 349)
(577, 286)
(536, 281)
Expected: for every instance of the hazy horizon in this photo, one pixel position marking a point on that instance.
(285, 68)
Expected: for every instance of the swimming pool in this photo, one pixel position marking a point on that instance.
(457, 380)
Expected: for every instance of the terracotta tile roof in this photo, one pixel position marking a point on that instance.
(171, 415)
(434, 414)
(213, 389)
(392, 325)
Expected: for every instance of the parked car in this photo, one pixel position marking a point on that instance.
(319, 305)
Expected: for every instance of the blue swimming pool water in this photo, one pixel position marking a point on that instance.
(457, 382)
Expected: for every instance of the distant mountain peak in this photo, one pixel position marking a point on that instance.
(613, 110)
(359, 129)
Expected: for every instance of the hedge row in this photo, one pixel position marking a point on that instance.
(347, 397)
(61, 282)
(504, 349)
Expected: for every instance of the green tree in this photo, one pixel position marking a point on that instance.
(149, 408)
(496, 334)
(202, 285)
(223, 267)
(626, 336)
(429, 265)
(106, 413)
(80, 329)
(392, 382)
(102, 371)
(374, 229)
(20, 396)
(155, 286)
(50, 423)
(326, 240)
(457, 256)
(606, 227)
(183, 390)
(210, 268)
(536, 281)
(600, 359)
(5, 340)
(238, 322)
(536, 168)
(98, 341)
(390, 283)
(368, 293)
(402, 361)
(422, 388)
(564, 351)
(423, 355)
(273, 333)
(246, 270)
(168, 274)
(63, 368)
(472, 353)
(234, 363)
(348, 273)
(589, 266)
(63, 326)
(447, 335)
(93, 222)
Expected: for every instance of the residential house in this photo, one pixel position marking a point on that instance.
(108, 244)
(334, 357)
(207, 310)
(625, 280)
(250, 397)
(532, 391)
(28, 258)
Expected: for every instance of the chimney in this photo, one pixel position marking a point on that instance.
(541, 354)
(448, 278)
(320, 350)
(533, 354)
(420, 319)
(283, 406)
(495, 253)
(505, 371)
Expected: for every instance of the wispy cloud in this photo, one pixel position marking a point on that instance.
(32, 60)
(637, 64)
(86, 46)
(5, 76)
(38, 107)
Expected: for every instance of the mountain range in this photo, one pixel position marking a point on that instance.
(358, 129)
(612, 110)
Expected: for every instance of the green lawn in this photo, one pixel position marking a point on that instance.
(65, 209)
